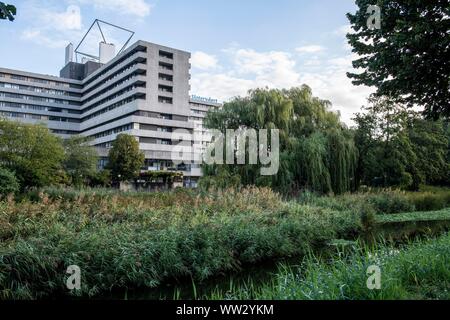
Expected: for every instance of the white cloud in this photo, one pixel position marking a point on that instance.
(222, 86)
(310, 49)
(139, 8)
(249, 69)
(52, 27)
(66, 20)
(273, 69)
(38, 37)
(203, 61)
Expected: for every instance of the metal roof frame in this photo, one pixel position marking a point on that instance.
(97, 22)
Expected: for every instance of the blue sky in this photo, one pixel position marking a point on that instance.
(236, 45)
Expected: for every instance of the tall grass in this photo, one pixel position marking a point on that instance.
(131, 241)
(418, 271)
(383, 201)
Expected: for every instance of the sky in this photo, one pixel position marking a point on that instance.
(236, 45)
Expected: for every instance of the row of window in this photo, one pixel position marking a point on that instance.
(149, 114)
(20, 115)
(164, 116)
(203, 113)
(112, 97)
(38, 80)
(69, 132)
(35, 98)
(115, 85)
(36, 108)
(112, 107)
(108, 68)
(38, 89)
(166, 142)
(115, 75)
(150, 127)
(127, 127)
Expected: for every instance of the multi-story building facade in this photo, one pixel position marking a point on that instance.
(143, 92)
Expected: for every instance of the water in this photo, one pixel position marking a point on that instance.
(189, 289)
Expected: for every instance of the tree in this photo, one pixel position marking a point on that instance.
(7, 11)
(101, 178)
(408, 58)
(317, 151)
(80, 159)
(398, 147)
(430, 144)
(8, 182)
(32, 152)
(125, 158)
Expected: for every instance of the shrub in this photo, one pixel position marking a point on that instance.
(429, 201)
(393, 202)
(8, 182)
(101, 178)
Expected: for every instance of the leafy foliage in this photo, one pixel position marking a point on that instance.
(125, 158)
(317, 150)
(8, 182)
(398, 147)
(32, 152)
(409, 57)
(7, 11)
(80, 159)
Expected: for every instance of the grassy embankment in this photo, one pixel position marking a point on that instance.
(418, 270)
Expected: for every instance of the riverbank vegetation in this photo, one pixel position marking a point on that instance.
(136, 241)
(147, 240)
(418, 270)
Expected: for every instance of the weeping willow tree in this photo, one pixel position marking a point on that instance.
(317, 150)
(311, 163)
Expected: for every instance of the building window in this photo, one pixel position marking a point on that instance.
(165, 77)
(165, 54)
(163, 88)
(165, 100)
(166, 66)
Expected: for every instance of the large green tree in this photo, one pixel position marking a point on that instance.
(80, 161)
(430, 144)
(7, 11)
(316, 150)
(125, 158)
(408, 58)
(32, 152)
(398, 147)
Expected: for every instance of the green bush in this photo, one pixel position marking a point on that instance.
(393, 202)
(8, 182)
(429, 201)
(382, 203)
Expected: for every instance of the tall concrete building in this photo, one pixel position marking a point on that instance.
(144, 92)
